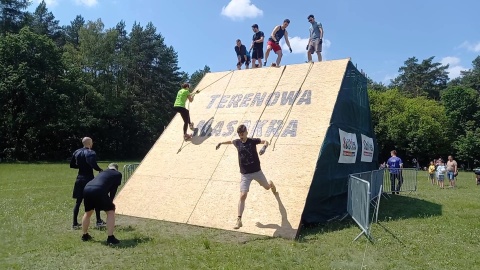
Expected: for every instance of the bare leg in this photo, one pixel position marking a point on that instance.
(110, 222)
(309, 56)
(86, 221)
(241, 203)
(319, 54)
(266, 54)
(279, 57)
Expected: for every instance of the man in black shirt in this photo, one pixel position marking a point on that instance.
(257, 46)
(85, 160)
(99, 194)
(249, 163)
(242, 55)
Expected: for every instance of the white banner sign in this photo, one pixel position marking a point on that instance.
(367, 149)
(349, 146)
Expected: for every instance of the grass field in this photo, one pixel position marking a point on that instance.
(429, 229)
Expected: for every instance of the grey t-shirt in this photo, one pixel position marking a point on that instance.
(315, 31)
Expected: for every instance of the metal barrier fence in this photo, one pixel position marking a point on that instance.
(364, 189)
(128, 171)
(375, 179)
(400, 180)
(358, 204)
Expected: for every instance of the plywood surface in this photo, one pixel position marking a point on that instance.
(191, 182)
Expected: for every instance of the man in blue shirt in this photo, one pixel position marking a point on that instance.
(85, 160)
(395, 166)
(316, 39)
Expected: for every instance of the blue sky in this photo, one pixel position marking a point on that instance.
(377, 35)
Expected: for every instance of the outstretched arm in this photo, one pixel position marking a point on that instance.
(225, 142)
(264, 148)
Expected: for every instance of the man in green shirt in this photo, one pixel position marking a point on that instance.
(179, 106)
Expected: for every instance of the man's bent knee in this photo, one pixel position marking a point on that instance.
(243, 196)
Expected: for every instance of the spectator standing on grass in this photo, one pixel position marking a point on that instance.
(431, 172)
(85, 160)
(452, 171)
(395, 166)
(441, 169)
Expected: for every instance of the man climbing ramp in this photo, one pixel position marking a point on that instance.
(274, 42)
(249, 163)
(179, 106)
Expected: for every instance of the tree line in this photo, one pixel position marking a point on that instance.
(60, 83)
(424, 116)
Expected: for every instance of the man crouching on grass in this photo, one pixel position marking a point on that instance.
(96, 196)
(249, 167)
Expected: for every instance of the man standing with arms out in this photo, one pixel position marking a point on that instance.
(249, 167)
(274, 41)
(452, 171)
(96, 195)
(315, 40)
(257, 46)
(242, 57)
(85, 160)
(395, 166)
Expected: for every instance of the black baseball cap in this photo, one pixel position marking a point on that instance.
(255, 25)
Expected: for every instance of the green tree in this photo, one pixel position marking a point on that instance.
(12, 15)
(34, 101)
(416, 127)
(72, 31)
(197, 76)
(43, 23)
(471, 78)
(462, 106)
(424, 79)
(468, 147)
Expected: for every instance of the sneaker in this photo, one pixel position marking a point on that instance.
(187, 137)
(265, 63)
(100, 224)
(86, 237)
(273, 187)
(112, 240)
(191, 126)
(76, 226)
(238, 224)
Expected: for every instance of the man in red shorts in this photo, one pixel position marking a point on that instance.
(274, 41)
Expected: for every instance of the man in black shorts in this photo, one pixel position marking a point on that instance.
(242, 56)
(250, 170)
(85, 160)
(96, 194)
(257, 46)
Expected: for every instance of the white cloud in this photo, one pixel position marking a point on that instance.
(450, 60)
(241, 9)
(88, 3)
(474, 47)
(388, 78)
(454, 66)
(50, 3)
(299, 45)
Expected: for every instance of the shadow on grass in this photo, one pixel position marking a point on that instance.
(128, 243)
(392, 208)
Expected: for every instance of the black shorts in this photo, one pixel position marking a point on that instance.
(257, 53)
(80, 184)
(95, 198)
(243, 61)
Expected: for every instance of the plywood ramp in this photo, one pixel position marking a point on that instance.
(191, 182)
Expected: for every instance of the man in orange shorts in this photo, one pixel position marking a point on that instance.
(274, 41)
